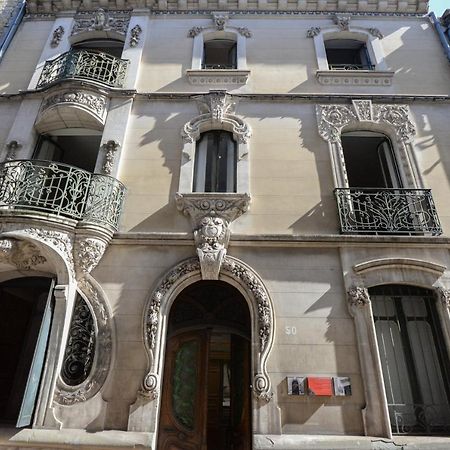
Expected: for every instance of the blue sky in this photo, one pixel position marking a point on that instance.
(439, 6)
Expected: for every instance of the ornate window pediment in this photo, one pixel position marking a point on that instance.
(368, 70)
(217, 112)
(100, 22)
(233, 70)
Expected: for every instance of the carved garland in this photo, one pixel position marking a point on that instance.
(263, 311)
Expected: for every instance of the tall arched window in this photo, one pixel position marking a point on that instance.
(215, 162)
(415, 365)
(369, 160)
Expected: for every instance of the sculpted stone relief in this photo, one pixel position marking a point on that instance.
(333, 118)
(261, 304)
(216, 108)
(94, 102)
(211, 216)
(101, 20)
(220, 22)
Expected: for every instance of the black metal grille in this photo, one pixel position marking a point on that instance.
(85, 65)
(387, 211)
(62, 190)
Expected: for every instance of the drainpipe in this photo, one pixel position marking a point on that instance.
(440, 31)
(12, 28)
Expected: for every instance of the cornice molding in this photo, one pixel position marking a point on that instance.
(267, 6)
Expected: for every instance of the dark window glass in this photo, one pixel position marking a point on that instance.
(219, 54)
(347, 54)
(110, 46)
(413, 359)
(215, 163)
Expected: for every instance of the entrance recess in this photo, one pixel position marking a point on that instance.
(25, 319)
(205, 401)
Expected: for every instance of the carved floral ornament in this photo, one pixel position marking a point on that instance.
(343, 23)
(101, 20)
(110, 148)
(216, 111)
(333, 118)
(12, 147)
(358, 297)
(57, 36)
(211, 215)
(93, 102)
(81, 254)
(261, 304)
(220, 22)
(22, 254)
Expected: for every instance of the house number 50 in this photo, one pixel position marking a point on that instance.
(290, 330)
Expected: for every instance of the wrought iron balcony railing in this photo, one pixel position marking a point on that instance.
(61, 190)
(85, 65)
(219, 66)
(351, 66)
(420, 419)
(387, 211)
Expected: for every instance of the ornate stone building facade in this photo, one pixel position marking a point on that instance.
(225, 225)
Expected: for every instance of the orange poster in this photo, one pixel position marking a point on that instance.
(320, 386)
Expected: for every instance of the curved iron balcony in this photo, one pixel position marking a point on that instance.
(61, 190)
(387, 211)
(85, 65)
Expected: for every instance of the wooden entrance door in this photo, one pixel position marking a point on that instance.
(206, 396)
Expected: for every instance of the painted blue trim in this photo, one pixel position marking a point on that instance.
(8, 36)
(440, 31)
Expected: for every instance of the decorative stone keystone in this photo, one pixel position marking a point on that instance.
(211, 215)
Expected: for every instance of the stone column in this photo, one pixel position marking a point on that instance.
(375, 414)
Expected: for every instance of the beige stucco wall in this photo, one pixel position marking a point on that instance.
(19, 63)
(283, 60)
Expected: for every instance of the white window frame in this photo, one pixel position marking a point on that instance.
(215, 117)
(381, 76)
(199, 76)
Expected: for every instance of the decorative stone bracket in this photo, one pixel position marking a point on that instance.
(211, 215)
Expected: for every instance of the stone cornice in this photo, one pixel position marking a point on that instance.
(286, 240)
(268, 6)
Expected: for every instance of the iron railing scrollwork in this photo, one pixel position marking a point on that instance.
(61, 190)
(388, 211)
(219, 66)
(80, 349)
(85, 65)
(420, 419)
(351, 66)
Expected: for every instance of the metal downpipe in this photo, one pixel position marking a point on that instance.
(440, 31)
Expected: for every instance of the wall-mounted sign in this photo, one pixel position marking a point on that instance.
(296, 385)
(342, 386)
(320, 386)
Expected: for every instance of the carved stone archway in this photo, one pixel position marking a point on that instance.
(157, 311)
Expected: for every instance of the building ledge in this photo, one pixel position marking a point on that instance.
(217, 76)
(355, 77)
(14, 438)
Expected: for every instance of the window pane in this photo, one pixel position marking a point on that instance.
(215, 163)
(219, 54)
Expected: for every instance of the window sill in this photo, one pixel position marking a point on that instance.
(354, 77)
(217, 76)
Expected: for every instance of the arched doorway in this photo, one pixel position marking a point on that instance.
(26, 311)
(205, 402)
